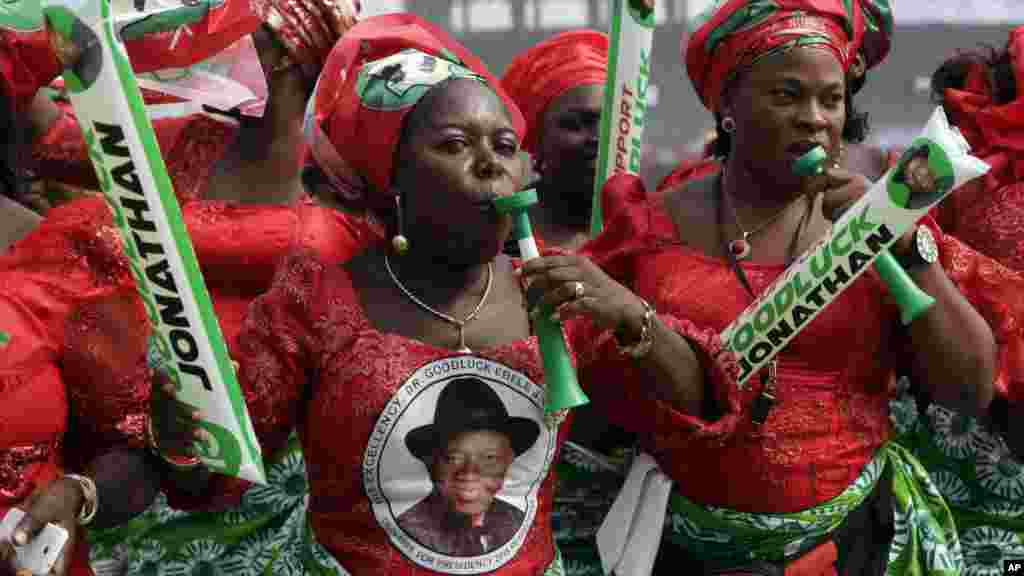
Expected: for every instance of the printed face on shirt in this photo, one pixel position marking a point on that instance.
(470, 471)
(459, 152)
(455, 464)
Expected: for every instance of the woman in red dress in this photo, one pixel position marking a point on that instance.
(71, 314)
(362, 357)
(803, 475)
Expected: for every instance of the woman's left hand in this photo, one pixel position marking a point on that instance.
(843, 189)
(58, 503)
(572, 285)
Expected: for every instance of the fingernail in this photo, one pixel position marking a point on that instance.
(197, 415)
(517, 271)
(20, 537)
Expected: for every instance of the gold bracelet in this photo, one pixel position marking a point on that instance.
(642, 347)
(176, 462)
(91, 498)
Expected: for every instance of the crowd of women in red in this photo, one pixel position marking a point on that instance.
(381, 315)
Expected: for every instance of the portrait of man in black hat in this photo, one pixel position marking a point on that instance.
(467, 450)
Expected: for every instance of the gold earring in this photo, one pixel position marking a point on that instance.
(399, 242)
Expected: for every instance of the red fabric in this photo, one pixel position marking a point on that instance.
(26, 64)
(737, 34)
(988, 213)
(70, 287)
(831, 413)
(693, 169)
(312, 319)
(338, 110)
(190, 145)
(224, 24)
(538, 76)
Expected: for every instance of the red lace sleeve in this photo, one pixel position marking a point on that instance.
(191, 145)
(73, 253)
(276, 350)
(33, 408)
(613, 379)
(624, 205)
(997, 293)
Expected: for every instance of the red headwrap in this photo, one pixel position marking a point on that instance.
(546, 71)
(372, 79)
(735, 34)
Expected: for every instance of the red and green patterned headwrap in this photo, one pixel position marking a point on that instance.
(732, 35)
(372, 79)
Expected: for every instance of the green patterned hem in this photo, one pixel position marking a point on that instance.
(926, 541)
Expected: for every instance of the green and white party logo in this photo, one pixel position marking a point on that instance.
(77, 47)
(21, 15)
(399, 81)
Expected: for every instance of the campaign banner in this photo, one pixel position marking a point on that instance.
(625, 96)
(133, 179)
(934, 165)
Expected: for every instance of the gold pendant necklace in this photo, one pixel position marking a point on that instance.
(459, 324)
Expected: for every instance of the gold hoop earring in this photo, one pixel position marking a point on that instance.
(399, 243)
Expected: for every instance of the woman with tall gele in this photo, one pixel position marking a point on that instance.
(372, 359)
(796, 471)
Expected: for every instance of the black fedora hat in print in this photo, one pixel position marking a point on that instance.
(466, 405)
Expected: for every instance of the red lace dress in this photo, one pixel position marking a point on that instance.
(78, 333)
(375, 402)
(191, 145)
(831, 412)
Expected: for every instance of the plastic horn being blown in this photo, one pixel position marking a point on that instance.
(563, 389)
(911, 300)
(934, 165)
(624, 114)
(187, 342)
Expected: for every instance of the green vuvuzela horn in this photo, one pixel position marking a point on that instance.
(911, 300)
(563, 389)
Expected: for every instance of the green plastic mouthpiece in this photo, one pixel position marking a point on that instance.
(811, 163)
(563, 389)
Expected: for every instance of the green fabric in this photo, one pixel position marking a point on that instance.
(925, 541)
(267, 535)
(255, 539)
(976, 473)
(587, 485)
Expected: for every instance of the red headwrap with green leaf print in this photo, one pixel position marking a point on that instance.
(372, 79)
(732, 35)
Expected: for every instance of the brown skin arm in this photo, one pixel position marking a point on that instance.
(954, 356)
(262, 167)
(672, 363)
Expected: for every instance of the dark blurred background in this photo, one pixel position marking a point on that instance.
(896, 95)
